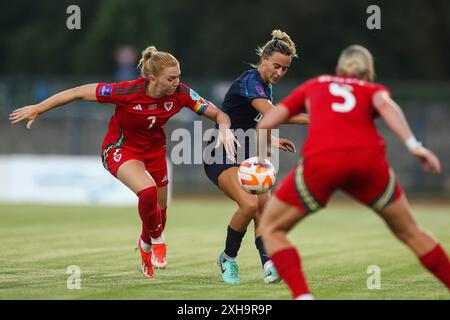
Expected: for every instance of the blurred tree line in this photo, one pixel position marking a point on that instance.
(218, 38)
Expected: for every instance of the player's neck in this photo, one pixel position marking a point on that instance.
(153, 92)
(266, 81)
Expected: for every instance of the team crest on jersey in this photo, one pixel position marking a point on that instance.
(168, 105)
(260, 90)
(105, 90)
(117, 156)
(152, 106)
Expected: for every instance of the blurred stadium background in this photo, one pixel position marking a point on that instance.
(40, 56)
(214, 41)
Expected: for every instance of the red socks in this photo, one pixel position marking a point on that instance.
(150, 214)
(438, 263)
(287, 263)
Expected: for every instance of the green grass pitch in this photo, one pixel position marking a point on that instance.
(337, 245)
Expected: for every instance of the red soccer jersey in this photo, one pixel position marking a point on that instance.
(137, 124)
(341, 111)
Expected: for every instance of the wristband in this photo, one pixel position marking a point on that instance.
(412, 143)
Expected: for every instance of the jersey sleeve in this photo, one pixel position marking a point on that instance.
(295, 102)
(379, 87)
(254, 89)
(374, 89)
(193, 100)
(116, 92)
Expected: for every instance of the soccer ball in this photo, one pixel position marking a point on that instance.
(256, 178)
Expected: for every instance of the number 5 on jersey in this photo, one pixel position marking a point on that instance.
(342, 91)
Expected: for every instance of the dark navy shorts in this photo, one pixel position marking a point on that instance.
(214, 169)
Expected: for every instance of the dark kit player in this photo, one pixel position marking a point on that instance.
(246, 102)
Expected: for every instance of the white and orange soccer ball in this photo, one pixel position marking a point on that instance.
(256, 178)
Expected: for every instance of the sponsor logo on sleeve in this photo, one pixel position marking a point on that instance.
(106, 90)
(194, 95)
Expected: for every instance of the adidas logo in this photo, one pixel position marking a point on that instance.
(138, 107)
(164, 179)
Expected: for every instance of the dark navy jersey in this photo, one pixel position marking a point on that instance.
(238, 100)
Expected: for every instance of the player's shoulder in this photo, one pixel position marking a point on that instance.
(250, 76)
(183, 89)
(251, 84)
(349, 80)
(129, 87)
(247, 79)
(185, 92)
(107, 90)
(375, 86)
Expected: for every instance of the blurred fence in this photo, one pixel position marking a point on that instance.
(79, 128)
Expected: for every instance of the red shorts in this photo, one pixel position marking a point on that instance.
(364, 174)
(113, 158)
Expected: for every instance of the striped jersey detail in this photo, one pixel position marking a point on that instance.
(309, 202)
(122, 91)
(388, 195)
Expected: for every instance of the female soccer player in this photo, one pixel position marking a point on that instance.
(247, 100)
(134, 149)
(344, 151)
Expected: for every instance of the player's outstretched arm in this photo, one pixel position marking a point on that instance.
(395, 119)
(31, 112)
(271, 119)
(225, 137)
(264, 106)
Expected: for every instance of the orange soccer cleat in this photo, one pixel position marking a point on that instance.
(146, 264)
(159, 259)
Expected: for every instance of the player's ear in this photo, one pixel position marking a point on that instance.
(151, 78)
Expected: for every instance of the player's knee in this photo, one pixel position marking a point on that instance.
(148, 197)
(249, 207)
(265, 228)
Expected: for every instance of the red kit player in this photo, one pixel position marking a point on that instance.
(134, 149)
(343, 150)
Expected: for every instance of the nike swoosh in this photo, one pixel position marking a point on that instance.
(223, 270)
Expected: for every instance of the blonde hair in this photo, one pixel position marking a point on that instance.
(280, 42)
(153, 61)
(356, 61)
